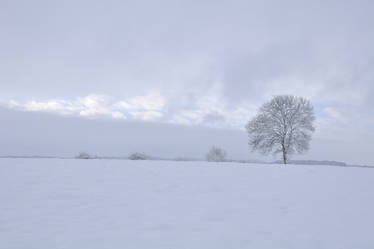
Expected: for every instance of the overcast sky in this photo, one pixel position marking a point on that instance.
(191, 65)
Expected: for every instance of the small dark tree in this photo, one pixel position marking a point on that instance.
(216, 154)
(285, 124)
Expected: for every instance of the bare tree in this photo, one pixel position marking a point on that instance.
(216, 154)
(284, 124)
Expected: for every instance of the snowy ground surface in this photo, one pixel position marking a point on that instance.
(89, 204)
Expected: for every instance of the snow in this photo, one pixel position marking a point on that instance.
(62, 203)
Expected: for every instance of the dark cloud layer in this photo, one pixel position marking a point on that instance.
(59, 49)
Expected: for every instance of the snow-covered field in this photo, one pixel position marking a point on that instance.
(56, 203)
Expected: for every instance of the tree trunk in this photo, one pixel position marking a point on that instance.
(284, 154)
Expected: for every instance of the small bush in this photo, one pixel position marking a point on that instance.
(138, 156)
(85, 155)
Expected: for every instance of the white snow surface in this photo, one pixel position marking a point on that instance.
(104, 204)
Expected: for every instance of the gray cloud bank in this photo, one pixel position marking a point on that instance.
(244, 50)
(25, 133)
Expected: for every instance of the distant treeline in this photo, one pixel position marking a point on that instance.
(142, 156)
(314, 162)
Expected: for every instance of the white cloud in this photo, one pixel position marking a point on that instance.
(90, 106)
(13, 104)
(208, 109)
(152, 101)
(147, 107)
(60, 106)
(95, 105)
(118, 115)
(146, 115)
(334, 113)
